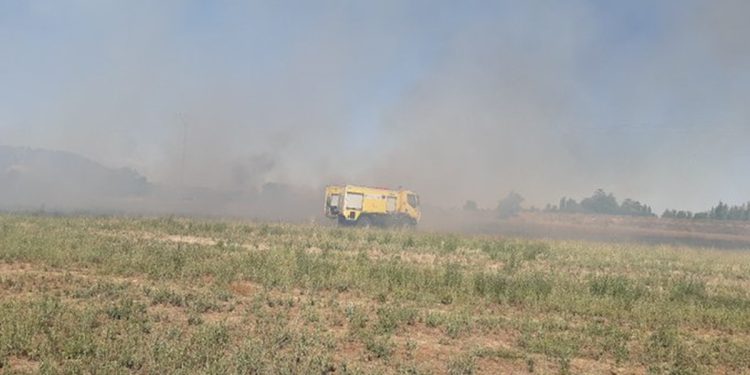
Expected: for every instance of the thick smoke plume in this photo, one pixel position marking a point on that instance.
(457, 102)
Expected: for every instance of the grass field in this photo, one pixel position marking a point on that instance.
(166, 295)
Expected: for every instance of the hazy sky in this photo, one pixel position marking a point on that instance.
(458, 100)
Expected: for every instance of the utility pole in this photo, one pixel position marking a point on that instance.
(184, 153)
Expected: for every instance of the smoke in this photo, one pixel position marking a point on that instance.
(488, 118)
(457, 102)
(558, 99)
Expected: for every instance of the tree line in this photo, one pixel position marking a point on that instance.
(507, 207)
(602, 202)
(721, 211)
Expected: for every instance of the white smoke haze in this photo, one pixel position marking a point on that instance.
(456, 101)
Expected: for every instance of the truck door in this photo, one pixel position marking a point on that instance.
(333, 204)
(390, 204)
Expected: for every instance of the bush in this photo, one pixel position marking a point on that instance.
(509, 206)
(688, 289)
(617, 287)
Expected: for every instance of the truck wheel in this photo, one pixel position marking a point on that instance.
(411, 224)
(399, 223)
(343, 222)
(364, 222)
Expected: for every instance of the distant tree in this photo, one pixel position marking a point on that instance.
(681, 214)
(509, 206)
(701, 216)
(634, 208)
(601, 203)
(723, 211)
(569, 205)
(737, 212)
(470, 206)
(573, 206)
(720, 212)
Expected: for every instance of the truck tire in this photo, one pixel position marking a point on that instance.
(410, 224)
(343, 222)
(404, 222)
(364, 221)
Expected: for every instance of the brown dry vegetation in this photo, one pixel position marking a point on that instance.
(177, 295)
(605, 228)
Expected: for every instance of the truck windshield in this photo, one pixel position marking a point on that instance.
(413, 200)
(333, 201)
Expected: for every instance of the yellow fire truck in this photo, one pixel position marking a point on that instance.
(368, 206)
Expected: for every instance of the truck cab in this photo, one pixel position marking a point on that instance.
(332, 201)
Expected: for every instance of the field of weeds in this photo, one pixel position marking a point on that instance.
(165, 295)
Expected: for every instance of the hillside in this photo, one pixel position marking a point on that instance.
(32, 178)
(64, 182)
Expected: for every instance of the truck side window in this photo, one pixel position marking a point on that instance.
(353, 201)
(413, 200)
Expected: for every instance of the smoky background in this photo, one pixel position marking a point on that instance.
(251, 108)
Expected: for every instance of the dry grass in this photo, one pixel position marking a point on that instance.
(604, 228)
(176, 295)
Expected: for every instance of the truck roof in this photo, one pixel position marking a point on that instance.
(374, 189)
